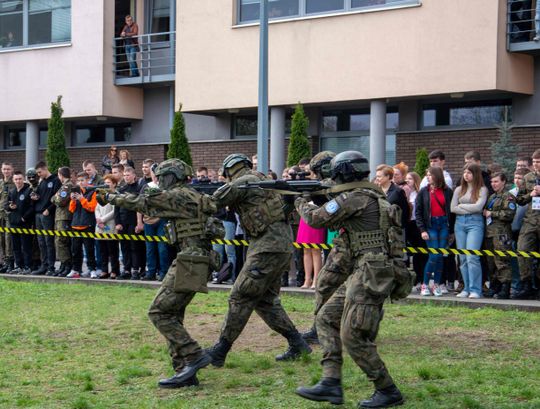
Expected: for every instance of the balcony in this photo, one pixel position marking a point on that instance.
(522, 35)
(155, 59)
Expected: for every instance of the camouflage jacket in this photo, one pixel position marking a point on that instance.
(530, 180)
(503, 208)
(178, 203)
(61, 200)
(261, 213)
(5, 187)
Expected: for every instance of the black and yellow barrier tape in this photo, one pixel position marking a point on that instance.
(321, 246)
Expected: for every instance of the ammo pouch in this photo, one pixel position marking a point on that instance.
(257, 218)
(191, 273)
(374, 275)
(362, 242)
(403, 282)
(213, 229)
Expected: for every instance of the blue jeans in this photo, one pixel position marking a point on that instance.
(438, 238)
(230, 228)
(156, 251)
(131, 55)
(469, 232)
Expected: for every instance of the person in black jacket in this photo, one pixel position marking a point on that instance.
(20, 211)
(394, 194)
(436, 224)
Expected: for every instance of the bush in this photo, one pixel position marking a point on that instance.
(299, 146)
(56, 154)
(179, 146)
(422, 162)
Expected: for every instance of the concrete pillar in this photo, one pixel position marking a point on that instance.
(377, 135)
(32, 144)
(277, 140)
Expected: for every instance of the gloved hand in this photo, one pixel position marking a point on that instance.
(102, 196)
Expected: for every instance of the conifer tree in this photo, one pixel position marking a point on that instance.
(422, 162)
(503, 151)
(56, 155)
(179, 146)
(299, 146)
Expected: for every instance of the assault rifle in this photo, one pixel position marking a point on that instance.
(289, 186)
(206, 187)
(77, 188)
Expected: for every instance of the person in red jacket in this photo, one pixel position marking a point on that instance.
(83, 204)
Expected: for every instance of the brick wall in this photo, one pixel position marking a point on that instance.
(455, 144)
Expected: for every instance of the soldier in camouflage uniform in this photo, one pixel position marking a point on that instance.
(269, 254)
(338, 263)
(353, 313)
(6, 184)
(529, 235)
(62, 222)
(499, 212)
(187, 211)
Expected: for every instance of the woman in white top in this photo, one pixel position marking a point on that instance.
(414, 238)
(468, 203)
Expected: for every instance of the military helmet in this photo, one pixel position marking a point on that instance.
(31, 173)
(320, 163)
(234, 159)
(176, 167)
(349, 166)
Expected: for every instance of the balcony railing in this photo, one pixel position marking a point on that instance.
(154, 58)
(523, 27)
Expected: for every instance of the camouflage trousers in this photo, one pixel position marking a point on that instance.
(499, 267)
(353, 322)
(63, 244)
(167, 314)
(6, 248)
(529, 240)
(257, 288)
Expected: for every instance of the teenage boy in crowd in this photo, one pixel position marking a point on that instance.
(438, 159)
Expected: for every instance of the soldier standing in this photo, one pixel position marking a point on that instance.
(6, 184)
(499, 213)
(338, 264)
(269, 254)
(529, 236)
(62, 222)
(187, 211)
(353, 313)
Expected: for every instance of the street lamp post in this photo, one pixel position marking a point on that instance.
(262, 113)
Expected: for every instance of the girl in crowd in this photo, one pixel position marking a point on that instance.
(394, 194)
(400, 172)
(109, 160)
(435, 224)
(125, 158)
(414, 238)
(468, 204)
(105, 224)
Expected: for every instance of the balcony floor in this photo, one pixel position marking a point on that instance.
(145, 80)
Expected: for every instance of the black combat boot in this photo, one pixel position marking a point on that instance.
(504, 292)
(326, 390)
(494, 288)
(383, 398)
(524, 291)
(60, 269)
(50, 272)
(219, 352)
(187, 373)
(311, 336)
(172, 382)
(4, 268)
(65, 271)
(11, 266)
(40, 271)
(297, 346)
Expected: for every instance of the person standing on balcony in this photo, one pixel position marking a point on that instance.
(130, 33)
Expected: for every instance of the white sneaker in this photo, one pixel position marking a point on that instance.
(85, 274)
(474, 295)
(425, 290)
(73, 274)
(94, 274)
(443, 288)
(437, 290)
(463, 294)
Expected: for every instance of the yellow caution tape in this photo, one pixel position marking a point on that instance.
(321, 246)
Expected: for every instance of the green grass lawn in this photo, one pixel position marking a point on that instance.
(77, 346)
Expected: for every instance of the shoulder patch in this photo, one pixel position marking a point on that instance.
(63, 193)
(332, 206)
(512, 206)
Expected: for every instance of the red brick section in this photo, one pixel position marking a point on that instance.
(209, 154)
(455, 144)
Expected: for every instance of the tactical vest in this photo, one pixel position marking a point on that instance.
(260, 209)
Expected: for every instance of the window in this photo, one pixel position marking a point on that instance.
(159, 19)
(15, 138)
(33, 22)
(248, 10)
(486, 113)
(245, 126)
(102, 133)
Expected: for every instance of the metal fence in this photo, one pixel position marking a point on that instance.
(154, 56)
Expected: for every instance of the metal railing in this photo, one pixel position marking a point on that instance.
(154, 57)
(520, 22)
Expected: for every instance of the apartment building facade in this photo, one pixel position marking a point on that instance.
(382, 76)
